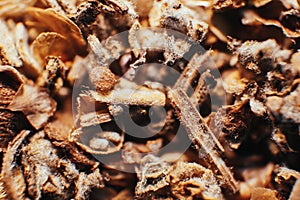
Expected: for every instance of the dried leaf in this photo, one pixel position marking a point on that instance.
(174, 15)
(251, 18)
(152, 175)
(36, 105)
(11, 124)
(13, 190)
(51, 44)
(191, 181)
(95, 141)
(53, 22)
(40, 160)
(8, 51)
(10, 83)
(31, 66)
(263, 194)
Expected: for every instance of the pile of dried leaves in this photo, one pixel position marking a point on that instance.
(248, 148)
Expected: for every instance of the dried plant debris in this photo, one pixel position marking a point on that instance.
(181, 180)
(11, 82)
(245, 148)
(173, 14)
(35, 104)
(191, 180)
(8, 51)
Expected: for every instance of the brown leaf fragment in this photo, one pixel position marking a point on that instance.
(256, 177)
(10, 83)
(86, 182)
(263, 194)
(76, 156)
(56, 130)
(286, 107)
(258, 57)
(285, 179)
(281, 141)
(133, 152)
(46, 173)
(94, 118)
(13, 190)
(234, 83)
(95, 141)
(51, 44)
(191, 181)
(31, 66)
(55, 5)
(141, 40)
(11, 124)
(174, 15)
(86, 13)
(201, 135)
(152, 175)
(53, 22)
(8, 51)
(251, 18)
(290, 108)
(36, 105)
